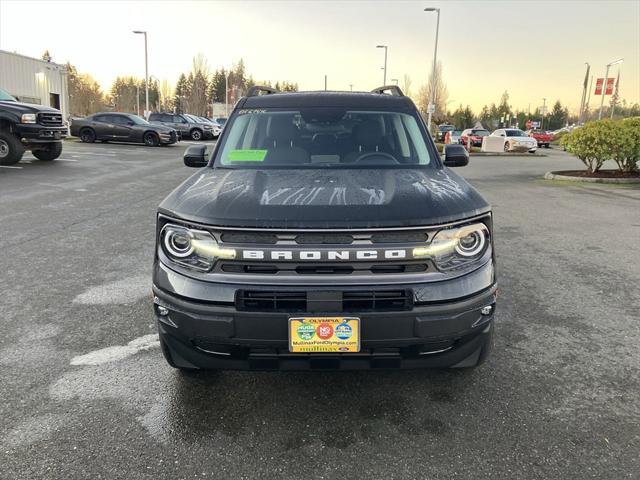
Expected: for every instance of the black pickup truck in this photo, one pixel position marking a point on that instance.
(24, 126)
(324, 231)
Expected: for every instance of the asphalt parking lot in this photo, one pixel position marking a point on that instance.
(559, 397)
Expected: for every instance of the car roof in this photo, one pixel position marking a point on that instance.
(328, 99)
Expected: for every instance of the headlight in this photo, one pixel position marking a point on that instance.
(456, 247)
(191, 248)
(28, 118)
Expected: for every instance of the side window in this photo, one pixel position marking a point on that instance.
(165, 118)
(102, 118)
(117, 119)
(178, 119)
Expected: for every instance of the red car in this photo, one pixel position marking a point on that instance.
(476, 135)
(543, 138)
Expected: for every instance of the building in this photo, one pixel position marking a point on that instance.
(31, 80)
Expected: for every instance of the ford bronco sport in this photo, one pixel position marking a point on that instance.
(324, 232)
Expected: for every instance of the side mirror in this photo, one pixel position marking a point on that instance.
(196, 156)
(455, 155)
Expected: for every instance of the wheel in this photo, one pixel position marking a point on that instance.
(151, 139)
(51, 152)
(506, 146)
(11, 149)
(87, 135)
(196, 134)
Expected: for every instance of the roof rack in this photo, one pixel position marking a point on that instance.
(392, 89)
(255, 91)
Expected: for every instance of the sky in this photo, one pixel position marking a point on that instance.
(532, 49)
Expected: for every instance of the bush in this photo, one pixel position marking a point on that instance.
(627, 145)
(599, 141)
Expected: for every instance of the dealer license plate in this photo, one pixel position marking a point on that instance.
(324, 334)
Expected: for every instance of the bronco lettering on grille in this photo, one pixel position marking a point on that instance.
(326, 255)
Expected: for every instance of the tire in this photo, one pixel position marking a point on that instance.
(11, 150)
(196, 134)
(87, 135)
(151, 139)
(506, 146)
(53, 151)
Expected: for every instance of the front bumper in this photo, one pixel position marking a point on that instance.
(35, 133)
(443, 328)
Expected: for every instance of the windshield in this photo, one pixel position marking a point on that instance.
(322, 137)
(138, 120)
(5, 97)
(190, 118)
(480, 133)
(516, 133)
(456, 133)
(446, 128)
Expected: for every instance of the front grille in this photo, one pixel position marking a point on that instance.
(292, 268)
(297, 301)
(50, 119)
(269, 301)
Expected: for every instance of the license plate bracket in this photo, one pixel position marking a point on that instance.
(324, 334)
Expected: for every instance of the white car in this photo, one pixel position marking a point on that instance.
(516, 140)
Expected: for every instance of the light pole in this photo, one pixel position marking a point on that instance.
(431, 108)
(604, 87)
(146, 73)
(395, 80)
(384, 78)
(226, 94)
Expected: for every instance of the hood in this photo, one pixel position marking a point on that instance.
(319, 198)
(26, 107)
(522, 139)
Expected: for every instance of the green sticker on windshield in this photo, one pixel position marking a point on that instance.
(247, 155)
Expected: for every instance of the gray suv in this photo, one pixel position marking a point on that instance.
(186, 125)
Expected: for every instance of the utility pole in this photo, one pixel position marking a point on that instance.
(544, 110)
(584, 93)
(604, 86)
(146, 73)
(325, 83)
(384, 78)
(431, 107)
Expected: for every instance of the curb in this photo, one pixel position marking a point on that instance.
(503, 154)
(560, 176)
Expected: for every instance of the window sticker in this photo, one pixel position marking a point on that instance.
(247, 155)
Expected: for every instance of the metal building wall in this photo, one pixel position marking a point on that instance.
(23, 76)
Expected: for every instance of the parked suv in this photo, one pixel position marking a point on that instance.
(187, 126)
(121, 127)
(24, 126)
(324, 232)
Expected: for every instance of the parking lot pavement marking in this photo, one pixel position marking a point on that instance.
(119, 292)
(10, 166)
(66, 160)
(77, 154)
(118, 352)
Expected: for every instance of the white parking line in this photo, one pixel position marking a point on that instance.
(65, 160)
(10, 166)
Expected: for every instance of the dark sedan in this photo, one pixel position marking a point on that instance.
(121, 127)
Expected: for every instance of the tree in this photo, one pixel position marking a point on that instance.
(435, 83)
(198, 86)
(558, 117)
(462, 118)
(406, 85)
(181, 94)
(504, 109)
(85, 95)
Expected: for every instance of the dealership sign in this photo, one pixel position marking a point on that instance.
(609, 88)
